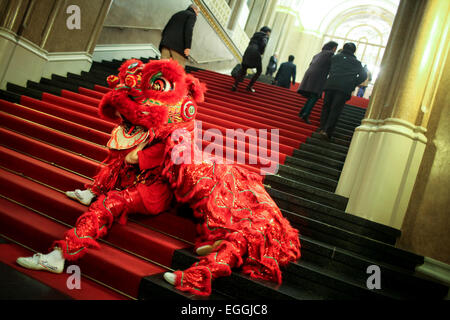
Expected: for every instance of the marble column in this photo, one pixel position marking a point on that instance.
(387, 149)
(235, 13)
(254, 17)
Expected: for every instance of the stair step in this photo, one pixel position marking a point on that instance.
(59, 84)
(358, 239)
(19, 90)
(334, 140)
(19, 283)
(50, 154)
(67, 113)
(347, 265)
(307, 178)
(333, 217)
(39, 232)
(135, 238)
(328, 145)
(242, 286)
(306, 191)
(9, 96)
(320, 150)
(43, 87)
(72, 81)
(155, 286)
(313, 167)
(53, 137)
(317, 158)
(53, 122)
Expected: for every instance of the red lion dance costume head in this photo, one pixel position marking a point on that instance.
(234, 209)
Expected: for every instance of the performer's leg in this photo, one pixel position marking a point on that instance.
(197, 279)
(95, 223)
(90, 226)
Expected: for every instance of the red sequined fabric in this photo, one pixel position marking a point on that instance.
(233, 205)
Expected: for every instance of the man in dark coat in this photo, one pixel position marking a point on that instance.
(315, 77)
(252, 57)
(346, 72)
(272, 65)
(177, 35)
(286, 72)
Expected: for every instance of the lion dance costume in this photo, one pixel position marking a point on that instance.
(156, 103)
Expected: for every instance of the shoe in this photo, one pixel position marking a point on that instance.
(85, 197)
(41, 262)
(170, 277)
(207, 249)
(233, 88)
(204, 250)
(251, 89)
(305, 119)
(324, 135)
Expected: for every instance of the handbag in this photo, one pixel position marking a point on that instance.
(236, 70)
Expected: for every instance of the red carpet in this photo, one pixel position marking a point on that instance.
(57, 143)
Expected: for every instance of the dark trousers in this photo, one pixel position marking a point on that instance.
(333, 104)
(270, 71)
(361, 91)
(241, 75)
(309, 105)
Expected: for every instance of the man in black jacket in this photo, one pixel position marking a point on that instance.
(252, 57)
(346, 72)
(286, 72)
(177, 35)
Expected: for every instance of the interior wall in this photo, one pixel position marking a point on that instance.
(426, 226)
(36, 41)
(143, 22)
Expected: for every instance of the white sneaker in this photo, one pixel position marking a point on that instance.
(41, 262)
(83, 196)
(170, 277)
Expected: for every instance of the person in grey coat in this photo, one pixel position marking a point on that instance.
(346, 72)
(315, 77)
(286, 71)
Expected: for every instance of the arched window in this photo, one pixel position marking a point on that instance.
(368, 28)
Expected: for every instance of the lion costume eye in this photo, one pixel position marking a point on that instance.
(159, 83)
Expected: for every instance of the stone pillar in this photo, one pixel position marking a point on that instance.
(254, 17)
(275, 37)
(387, 149)
(270, 14)
(235, 13)
(269, 9)
(287, 30)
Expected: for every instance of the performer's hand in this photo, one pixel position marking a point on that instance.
(187, 52)
(132, 157)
